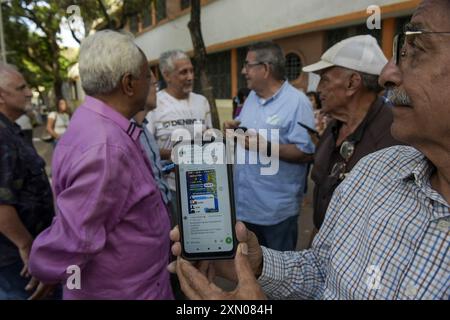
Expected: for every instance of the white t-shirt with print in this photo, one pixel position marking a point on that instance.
(172, 114)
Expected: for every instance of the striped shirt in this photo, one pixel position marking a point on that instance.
(385, 236)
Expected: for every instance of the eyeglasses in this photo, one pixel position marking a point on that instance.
(339, 168)
(400, 39)
(247, 65)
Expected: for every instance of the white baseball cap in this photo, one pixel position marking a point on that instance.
(360, 53)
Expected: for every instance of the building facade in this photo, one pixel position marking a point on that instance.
(303, 28)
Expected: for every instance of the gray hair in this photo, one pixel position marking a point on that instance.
(370, 82)
(105, 57)
(5, 70)
(271, 53)
(167, 60)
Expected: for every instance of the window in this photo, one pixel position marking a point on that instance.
(336, 35)
(218, 68)
(219, 71)
(161, 13)
(147, 18)
(134, 24)
(293, 66)
(184, 4)
(241, 55)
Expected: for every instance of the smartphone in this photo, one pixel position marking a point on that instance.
(311, 130)
(206, 209)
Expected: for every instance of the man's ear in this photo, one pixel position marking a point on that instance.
(268, 70)
(354, 82)
(166, 76)
(127, 84)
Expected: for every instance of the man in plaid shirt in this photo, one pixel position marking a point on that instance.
(386, 234)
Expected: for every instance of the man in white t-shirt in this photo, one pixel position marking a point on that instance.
(177, 106)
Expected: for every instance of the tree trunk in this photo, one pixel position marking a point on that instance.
(57, 87)
(195, 30)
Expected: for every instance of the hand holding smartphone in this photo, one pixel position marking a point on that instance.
(205, 201)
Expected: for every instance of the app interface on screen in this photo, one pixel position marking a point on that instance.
(205, 208)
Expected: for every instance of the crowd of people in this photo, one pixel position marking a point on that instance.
(380, 167)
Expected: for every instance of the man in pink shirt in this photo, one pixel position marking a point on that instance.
(111, 222)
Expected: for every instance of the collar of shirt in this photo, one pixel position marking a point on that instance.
(416, 168)
(264, 102)
(130, 127)
(142, 125)
(6, 123)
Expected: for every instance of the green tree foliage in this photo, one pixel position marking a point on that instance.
(32, 41)
(104, 14)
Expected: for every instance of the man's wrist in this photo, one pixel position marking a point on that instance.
(25, 243)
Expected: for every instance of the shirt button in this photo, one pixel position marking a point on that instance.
(443, 225)
(411, 291)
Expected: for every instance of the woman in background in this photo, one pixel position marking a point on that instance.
(58, 121)
(238, 101)
(320, 117)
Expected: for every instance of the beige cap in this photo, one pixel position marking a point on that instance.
(360, 53)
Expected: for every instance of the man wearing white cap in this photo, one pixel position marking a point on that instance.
(348, 89)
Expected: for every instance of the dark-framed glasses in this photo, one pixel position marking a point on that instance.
(247, 65)
(399, 50)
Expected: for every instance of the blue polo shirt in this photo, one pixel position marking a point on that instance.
(270, 199)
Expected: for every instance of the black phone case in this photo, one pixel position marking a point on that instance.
(210, 255)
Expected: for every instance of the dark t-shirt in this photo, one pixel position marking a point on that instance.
(373, 134)
(23, 185)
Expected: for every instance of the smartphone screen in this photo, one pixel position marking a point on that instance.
(206, 203)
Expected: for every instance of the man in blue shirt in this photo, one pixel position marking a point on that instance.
(270, 204)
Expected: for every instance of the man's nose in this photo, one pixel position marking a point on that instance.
(190, 75)
(319, 88)
(28, 92)
(390, 75)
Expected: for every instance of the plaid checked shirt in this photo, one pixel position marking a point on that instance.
(385, 236)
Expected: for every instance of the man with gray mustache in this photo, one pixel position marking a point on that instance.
(386, 233)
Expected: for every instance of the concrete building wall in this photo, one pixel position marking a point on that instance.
(227, 23)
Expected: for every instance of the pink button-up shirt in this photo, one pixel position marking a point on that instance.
(111, 221)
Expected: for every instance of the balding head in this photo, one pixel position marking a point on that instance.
(15, 94)
(6, 71)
